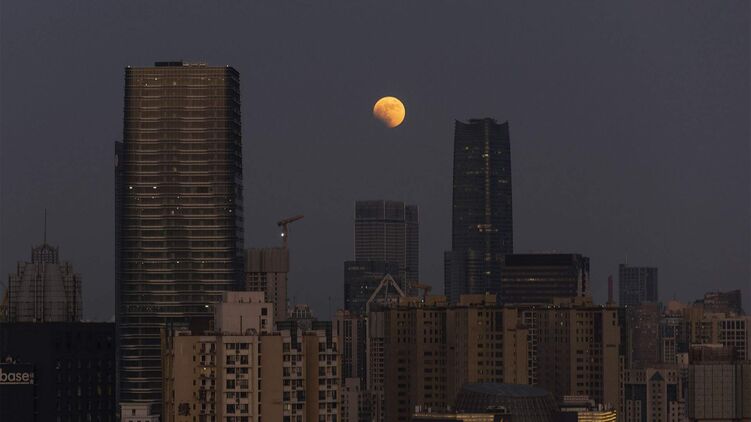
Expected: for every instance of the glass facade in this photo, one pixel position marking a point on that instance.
(482, 221)
(538, 278)
(179, 209)
(388, 231)
(636, 285)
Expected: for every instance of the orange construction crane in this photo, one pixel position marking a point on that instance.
(285, 229)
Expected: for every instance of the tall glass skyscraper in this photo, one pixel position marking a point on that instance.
(482, 229)
(637, 285)
(179, 210)
(388, 232)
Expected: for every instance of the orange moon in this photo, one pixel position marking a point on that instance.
(390, 111)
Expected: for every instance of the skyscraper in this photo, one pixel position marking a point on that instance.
(388, 231)
(482, 222)
(44, 290)
(361, 279)
(538, 278)
(179, 236)
(636, 285)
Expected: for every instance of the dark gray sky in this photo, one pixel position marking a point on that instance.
(629, 125)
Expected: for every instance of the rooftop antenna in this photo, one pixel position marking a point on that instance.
(45, 226)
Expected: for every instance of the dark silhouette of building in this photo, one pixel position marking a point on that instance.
(520, 402)
(361, 279)
(636, 285)
(482, 223)
(388, 231)
(719, 302)
(73, 370)
(179, 216)
(538, 278)
(19, 400)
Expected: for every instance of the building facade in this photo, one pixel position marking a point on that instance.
(19, 401)
(266, 271)
(641, 336)
(73, 370)
(637, 285)
(725, 302)
(655, 394)
(485, 343)
(538, 278)
(388, 232)
(44, 290)
(351, 331)
(719, 385)
(420, 352)
(361, 279)
(577, 351)
(246, 371)
(482, 218)
(179, 216)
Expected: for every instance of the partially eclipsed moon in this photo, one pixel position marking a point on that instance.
(390, 111)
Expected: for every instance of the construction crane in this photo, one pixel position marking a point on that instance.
(284, 224)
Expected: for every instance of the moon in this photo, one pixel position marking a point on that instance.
(390, 111)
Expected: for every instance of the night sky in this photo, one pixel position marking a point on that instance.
(629, 126)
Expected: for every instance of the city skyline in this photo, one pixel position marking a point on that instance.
(653, 214)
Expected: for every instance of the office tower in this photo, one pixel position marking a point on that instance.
(482, 223)
(636, 285)
(578, 350)
(388, 231)
(266, 271)
(179, 224)
(71, 366)
(246, 371)
(44, 290)
(719, 385)
(538, 278)
(725, 302)
(641, 333)
(361, 279)
(654, 394)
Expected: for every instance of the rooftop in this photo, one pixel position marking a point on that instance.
(507, 390)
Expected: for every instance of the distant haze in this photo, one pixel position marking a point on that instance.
(629, 126)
